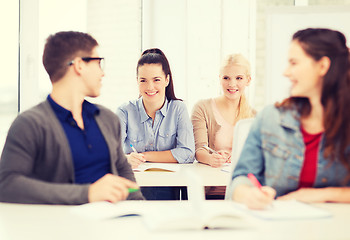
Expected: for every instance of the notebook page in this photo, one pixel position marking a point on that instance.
(287, 210)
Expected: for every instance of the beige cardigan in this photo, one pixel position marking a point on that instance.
(204, 123)
(205, 128)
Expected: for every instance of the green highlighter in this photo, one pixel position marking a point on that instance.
(131, 190)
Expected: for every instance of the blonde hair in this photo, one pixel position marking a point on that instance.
(236, 59)
(245, 111)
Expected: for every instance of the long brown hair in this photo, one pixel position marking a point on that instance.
(335, 95)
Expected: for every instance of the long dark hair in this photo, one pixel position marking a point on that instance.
(335, 95)
(156, 56)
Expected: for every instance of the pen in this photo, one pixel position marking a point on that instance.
(210, 150)
(253, 180)
(131, 190)
(133, 148)
(257, 184)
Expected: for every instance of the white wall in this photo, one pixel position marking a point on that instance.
(196, 35)
(164, 27)
(282, 23)
(39, 19)
(117, 27)
(115, 24)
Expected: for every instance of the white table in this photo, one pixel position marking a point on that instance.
(43, 222)
(209, 176)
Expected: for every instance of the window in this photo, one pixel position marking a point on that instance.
(9, 67)
(116, 25)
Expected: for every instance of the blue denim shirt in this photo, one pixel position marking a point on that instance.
(172, 129)
(274, 153)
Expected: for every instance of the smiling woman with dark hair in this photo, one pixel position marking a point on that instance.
(156, 124)
(300, 148)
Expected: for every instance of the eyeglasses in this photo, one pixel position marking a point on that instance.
(88, 59)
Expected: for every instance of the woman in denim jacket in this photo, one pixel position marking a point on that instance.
(156, 127)
(300, 149)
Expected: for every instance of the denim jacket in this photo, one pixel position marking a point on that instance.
(274, 153)
(171, 130)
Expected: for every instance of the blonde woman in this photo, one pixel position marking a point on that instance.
(214, 119)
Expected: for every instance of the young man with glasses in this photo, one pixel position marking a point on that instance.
(66, 150)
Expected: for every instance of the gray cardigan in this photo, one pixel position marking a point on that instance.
(36, 164)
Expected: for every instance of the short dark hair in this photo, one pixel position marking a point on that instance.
(156, 56)
(63, 47)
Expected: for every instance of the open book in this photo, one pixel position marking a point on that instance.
(157, 167)
(168, 215)
(183, 215)
(196, 213)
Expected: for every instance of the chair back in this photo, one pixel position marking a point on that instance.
(240, 134)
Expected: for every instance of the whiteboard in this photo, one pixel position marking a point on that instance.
(282, 23)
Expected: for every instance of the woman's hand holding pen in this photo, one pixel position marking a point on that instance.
(226, 155)
(216, 160)
(135, 159)
(253, 197)
(256, 196)
(110, 188)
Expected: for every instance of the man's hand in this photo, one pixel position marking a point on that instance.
(110, 188)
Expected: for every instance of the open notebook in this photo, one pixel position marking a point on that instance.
(287, 210)
(220, 214)
(168, 215)
(157, 167)
(197, 213)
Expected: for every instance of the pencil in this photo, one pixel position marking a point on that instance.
(133, 148)
(210, 149)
